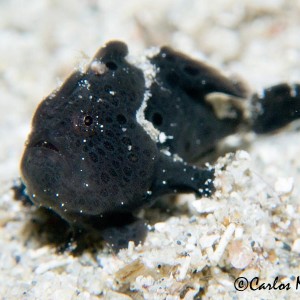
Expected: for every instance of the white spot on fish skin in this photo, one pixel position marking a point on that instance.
(166, 152)
(53, 95)
(162, 137)
(176, 157)
(84, 83)
(57, 195)
(149, 192)
(122, 203)
(164, 182)
(62, 204)
(86, 184)
(112, 92)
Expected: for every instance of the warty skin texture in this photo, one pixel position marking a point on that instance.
(92, 160)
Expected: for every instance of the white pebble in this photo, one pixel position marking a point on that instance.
(240, 255)
(205, 205)
(111, 295)
(45, 267)
(208, 240)
(284, 186)
(98, 67)
(242, 155)
(184, 266)
(160, 227)
(296, 246)
(217, 255)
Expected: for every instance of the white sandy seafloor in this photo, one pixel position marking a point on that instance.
(249, 228)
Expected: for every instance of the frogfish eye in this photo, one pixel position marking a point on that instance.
(88, 120)
(84, 124)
